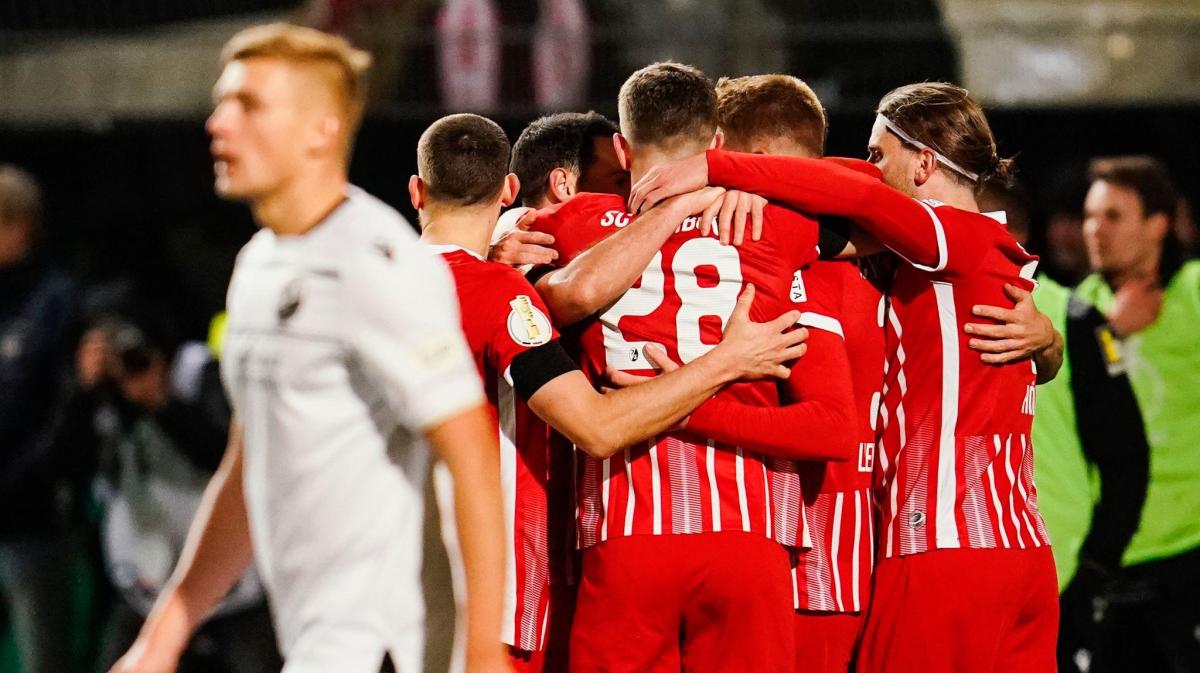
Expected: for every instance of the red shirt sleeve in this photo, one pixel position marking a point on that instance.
(520, 321)
(578, 223)
(909, 227)
(817, 423)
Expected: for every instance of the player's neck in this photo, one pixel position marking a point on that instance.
(469, 228)
(301, 203)
(645, 158)
(949, 193)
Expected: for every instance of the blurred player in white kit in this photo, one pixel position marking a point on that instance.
(344, 361)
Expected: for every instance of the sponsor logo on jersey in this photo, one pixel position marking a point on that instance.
(289, 300)
(615, 218)
(932, 203)
(526, 324)
(799, 295)
(916, 519)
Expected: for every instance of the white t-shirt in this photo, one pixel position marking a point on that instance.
(343, 345)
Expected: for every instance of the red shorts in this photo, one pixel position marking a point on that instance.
(826, 641)
(963, 611)
(702, 602)
(555, 657)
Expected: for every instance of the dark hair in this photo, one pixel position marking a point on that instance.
(1143, 174)
(668, 104)
(1152, 182)
(775, 106)
(463, 159)
(563, 140)
(949, 121)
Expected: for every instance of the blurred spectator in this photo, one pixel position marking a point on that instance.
(1092, 457)
(1151, 296)
(164, 428)
(41, 465)
(1065, 258)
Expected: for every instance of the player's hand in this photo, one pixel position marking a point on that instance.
(1135, 306)
(667, 180)
(706, 201)
(759, 350)
(737, 208)
(1023, 330)
(656, 355)
(146, 657)
(519, 247)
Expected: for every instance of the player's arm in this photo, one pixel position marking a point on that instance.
(602, 425)
(413, 349)
(819, 186)
(817, 423)
(468, 445)
(596, 277)
(217, 553)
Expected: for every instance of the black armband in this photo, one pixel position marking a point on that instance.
(538, 272)
(833, 236)
(538, 366)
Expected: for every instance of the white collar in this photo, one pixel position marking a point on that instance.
(444, 248)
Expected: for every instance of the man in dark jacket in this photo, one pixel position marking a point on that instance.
(40, 469)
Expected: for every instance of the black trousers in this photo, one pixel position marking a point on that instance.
(1151, 619)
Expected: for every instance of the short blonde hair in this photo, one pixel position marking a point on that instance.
(308, 46)
(762, 106)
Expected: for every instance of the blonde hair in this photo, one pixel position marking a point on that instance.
(764, 106)
(309, 46)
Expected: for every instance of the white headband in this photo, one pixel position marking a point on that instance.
(973, 177)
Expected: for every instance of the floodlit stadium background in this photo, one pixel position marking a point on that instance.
(105, 102)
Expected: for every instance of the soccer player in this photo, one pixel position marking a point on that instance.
(555, 158)
(685, 561)
(781, 115)
(462, 186)
(343, 357)
(966, 582)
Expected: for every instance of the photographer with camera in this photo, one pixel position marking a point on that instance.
(163, 420)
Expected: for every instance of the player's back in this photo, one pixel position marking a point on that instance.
(834, 575)
(502, 318)
(955, 438)
(679, 482)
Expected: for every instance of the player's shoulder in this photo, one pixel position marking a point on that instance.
(368, 237)
(363, 221)
(585, 205)
(484, 278)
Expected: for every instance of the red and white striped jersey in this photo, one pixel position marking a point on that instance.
(955, 455)
(955, 463)
(835, 574)
(502, 317)
(680, 482)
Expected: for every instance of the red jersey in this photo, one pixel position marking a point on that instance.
(835, 574)
(502, 317)
(685, 482)
(955, 461)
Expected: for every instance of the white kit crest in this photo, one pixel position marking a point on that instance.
(526, 324)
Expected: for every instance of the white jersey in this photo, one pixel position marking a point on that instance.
(343, 345)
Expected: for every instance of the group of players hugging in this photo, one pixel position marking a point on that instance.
(711, 401)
